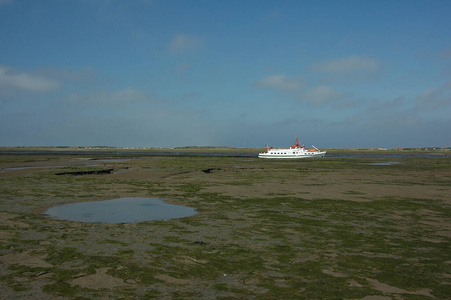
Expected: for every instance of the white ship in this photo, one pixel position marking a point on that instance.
(295, 151)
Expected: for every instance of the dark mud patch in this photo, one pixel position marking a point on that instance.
(234, 169)
(211, 170)
(82, 173)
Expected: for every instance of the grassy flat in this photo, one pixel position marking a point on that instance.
(342, 228)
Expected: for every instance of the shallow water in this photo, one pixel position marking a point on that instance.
(24, 168)
(122, 210)
(383, 163)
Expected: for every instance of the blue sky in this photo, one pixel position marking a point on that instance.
(234, 73)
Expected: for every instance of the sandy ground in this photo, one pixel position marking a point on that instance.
(331, 228)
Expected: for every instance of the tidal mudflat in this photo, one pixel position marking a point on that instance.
(341, 228)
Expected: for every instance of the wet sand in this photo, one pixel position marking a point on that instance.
(351, 228)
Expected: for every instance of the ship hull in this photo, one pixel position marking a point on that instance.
(301, 155)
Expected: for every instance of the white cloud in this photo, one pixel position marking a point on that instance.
(349, 64)
(85, 74)
(185, 43)
(127, 95)
(387, 106)
(183, 68)
(435, 98)
(280, 82)
(321, 94)
(10, 78)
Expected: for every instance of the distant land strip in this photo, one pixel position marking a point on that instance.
(204, 149)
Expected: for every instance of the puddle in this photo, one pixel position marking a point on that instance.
(111, 160)
(122, 210)
(25, 168)
(383, 163)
